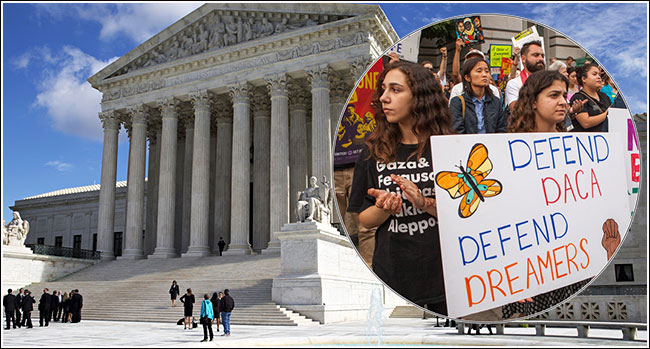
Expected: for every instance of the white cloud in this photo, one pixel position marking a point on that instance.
(71, 102)
(59, 165)
(138, 22)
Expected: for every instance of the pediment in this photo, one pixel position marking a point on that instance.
(217, 26)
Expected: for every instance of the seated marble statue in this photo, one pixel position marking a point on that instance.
(314, 202)
(15, 232)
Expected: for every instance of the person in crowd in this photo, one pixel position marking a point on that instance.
(532, 58)
(174, 291)
(561, 68)
(593, 116)
(216, 297)
(457, 90)
(477, 110)
(44, 308)
(226, 305)
(222, 245)
(10, 303)
(65, 302)
(54, 306)
(570, 62)
(19, 298)
(440, 75)
(27, 307)
(609, 88)
(207, 315)
(543, 106)
(409, 108)
(77, 304)
(573, 83)
(59, 308)
(188, 304)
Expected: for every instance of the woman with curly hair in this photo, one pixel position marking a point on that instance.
(392, 187)
(542, 104)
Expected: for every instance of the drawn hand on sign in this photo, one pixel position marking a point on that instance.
(611, 237)
(415, 196)
(387, 201)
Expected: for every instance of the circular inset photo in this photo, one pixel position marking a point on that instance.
(486, 168)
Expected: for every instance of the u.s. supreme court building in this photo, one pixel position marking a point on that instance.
(233, 106)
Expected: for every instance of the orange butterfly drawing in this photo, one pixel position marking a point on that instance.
(470, 183)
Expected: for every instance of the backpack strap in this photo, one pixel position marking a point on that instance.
(462, 103)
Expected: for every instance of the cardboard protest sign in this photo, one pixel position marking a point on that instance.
(358, 120)
(525, 36)
(469, 29)
(497, 52)
(408, 48)
(524, 214)
(621, 124)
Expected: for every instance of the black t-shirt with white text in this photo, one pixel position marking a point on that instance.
(407, 245)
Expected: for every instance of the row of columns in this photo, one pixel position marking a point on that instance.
(275, 147)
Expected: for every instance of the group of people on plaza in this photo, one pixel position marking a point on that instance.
(410, 107)
(57, 306)
(216, 308)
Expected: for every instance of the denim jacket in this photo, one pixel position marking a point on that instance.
(493, 116)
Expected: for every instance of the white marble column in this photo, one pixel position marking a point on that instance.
(133, 243)
(200, 177)
(180, 173)
(188, 123)
(320, 127)
(240, 177)
(152, 187)
(278, 88)
(106, 213)
(167, 181)
(223, 173)
(338, 96)
(261, 166)
(298, 153)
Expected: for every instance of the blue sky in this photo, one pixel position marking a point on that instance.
(52, 138)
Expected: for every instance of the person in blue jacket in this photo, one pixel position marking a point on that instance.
(207, 314)
(477, 110)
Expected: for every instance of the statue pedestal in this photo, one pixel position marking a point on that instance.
(21, 266)
(323, 277)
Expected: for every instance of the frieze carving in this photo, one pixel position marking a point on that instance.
(109, 120)
(201, 100)
(240, 93)
(168, 108)
(261, 102)
(178, 52)
(217, 30)
(319, 76)
(277, 85)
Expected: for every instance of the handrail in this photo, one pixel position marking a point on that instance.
(61, 251)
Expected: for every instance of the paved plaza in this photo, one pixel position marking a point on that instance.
(394, 332)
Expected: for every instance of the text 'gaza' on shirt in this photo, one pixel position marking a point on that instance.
(549, 152)
(404, 169)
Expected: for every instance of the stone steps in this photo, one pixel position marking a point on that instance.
(128, 290)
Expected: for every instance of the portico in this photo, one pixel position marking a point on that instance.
(223, 97)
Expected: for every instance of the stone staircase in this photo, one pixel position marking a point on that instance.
(127, 290)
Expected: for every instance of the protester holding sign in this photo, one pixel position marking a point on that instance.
(542, 107)
(477, 110)
(393, 183)
(593, 117)
(457, 90)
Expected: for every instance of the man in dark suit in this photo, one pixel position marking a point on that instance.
(28, 306)
(11, 304)
(44, 308)
(55, 306)
(19, 298)
(77, 304)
